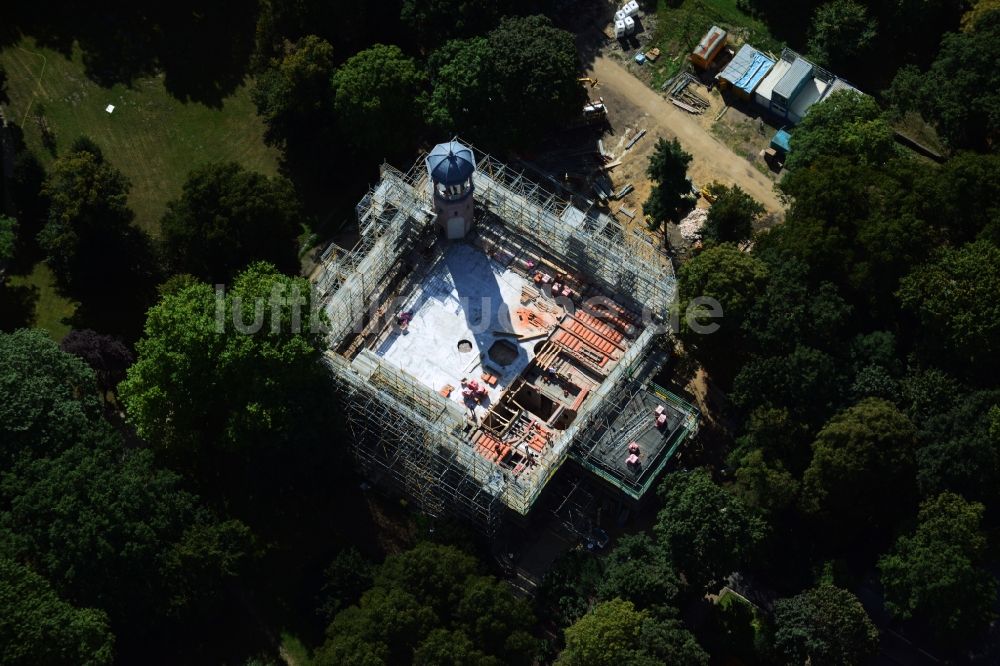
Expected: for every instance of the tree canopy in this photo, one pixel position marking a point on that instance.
(8, 234)
(86, 196)
(99, 521)
(434, 21)
(95, 253)
(934, 573)
(824, 626)
(37, 627)
(732, 216)
(376, 95)
(535, 65)
(199, 377)
(862, 470)
(841, 33)
(228, 217)
(430, 604)
(505, 88)
(465, 95)
(847, 124)
(106, 355)
(730, 277)
(48, 399)
(294, 95)
(707, 531)
(671, 186)
(960, 93)
(639, 570)
(953, 297)
(236, 379)
(614, 632)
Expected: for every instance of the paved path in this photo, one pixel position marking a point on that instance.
(713, 160)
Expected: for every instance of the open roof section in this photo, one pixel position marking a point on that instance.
(409, 432)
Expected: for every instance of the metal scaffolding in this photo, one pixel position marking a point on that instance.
(404, 431)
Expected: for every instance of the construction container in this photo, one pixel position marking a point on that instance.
(709, 47)
(631, 8)
(629, 25)
(620, 15)
(619, 29)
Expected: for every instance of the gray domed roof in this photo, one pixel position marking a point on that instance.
(451, 163)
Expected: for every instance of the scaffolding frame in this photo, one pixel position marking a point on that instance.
(402, 430)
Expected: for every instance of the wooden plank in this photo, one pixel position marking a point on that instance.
(686, 107)
(638, 136)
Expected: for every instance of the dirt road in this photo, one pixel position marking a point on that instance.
(641, 107)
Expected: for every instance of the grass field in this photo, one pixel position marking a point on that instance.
(50, 309)
(152, 137)
(679, 29)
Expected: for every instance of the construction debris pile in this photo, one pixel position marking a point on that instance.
(690, 227)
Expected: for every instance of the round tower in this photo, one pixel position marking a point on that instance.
(450, 166)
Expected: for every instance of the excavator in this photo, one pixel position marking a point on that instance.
(593, 82)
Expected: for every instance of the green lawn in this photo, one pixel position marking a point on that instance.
(679, 29)
(50, 308)
(152, 137)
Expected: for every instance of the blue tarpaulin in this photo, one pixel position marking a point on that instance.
(759, 68)
(746, 69)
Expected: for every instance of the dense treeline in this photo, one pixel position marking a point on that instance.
(172, 489)
(859, 347)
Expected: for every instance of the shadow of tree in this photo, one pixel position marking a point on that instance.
(202, 49)
(17, 306)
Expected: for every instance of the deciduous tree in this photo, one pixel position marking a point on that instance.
(614, 632)
(824, 625)
(731, 277)
(862, 472)
(465, 97)
(106, 355)
(935, 573)
(640, 571)
(294, 95)
(960, 93)
(37, 627)
(733, 214)
(96, 254)
(434, 21)
(841, 33)
(807, 382)
(847, 124)
(8, 235)
(430, 605)
(376, 100)
(48, 399)
(233, 392)
(954, 298)
(707, 531)
(100, 522)
(228, 217)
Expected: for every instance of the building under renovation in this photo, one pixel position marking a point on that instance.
(484, 331)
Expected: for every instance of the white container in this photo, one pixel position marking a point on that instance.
(629, 25)
(620, 15)
(619, 29)
(630, 8)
